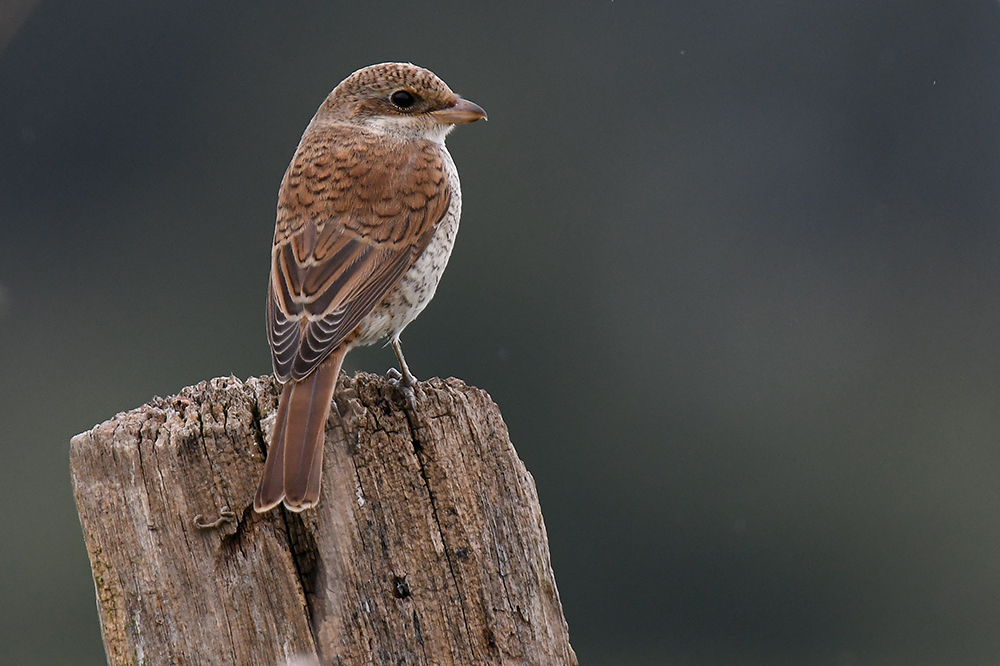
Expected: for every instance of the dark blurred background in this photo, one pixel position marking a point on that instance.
(731, 270)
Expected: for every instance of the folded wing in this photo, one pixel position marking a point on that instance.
(354, 212)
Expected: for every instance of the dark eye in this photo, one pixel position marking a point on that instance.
(402, 99)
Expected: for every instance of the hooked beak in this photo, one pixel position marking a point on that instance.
(461, 112)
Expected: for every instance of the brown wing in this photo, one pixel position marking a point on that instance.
(355, 210)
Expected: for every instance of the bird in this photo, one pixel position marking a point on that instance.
(367, 214)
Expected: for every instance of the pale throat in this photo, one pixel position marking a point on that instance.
(408, 129)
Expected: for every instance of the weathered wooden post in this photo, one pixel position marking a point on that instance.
(428, 545)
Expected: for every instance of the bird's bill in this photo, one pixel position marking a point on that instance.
(461, 112)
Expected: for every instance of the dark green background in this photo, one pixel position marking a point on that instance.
(731, 270)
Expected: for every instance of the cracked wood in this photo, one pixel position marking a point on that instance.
(427, 547)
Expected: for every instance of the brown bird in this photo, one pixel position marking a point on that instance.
(367, 216)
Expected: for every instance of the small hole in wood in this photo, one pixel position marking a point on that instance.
(400, 588)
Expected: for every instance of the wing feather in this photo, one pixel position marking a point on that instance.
(355, 210)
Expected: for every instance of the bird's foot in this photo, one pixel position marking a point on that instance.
(400, 379)
(404, 383)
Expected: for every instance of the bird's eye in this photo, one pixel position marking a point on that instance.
(402, 99)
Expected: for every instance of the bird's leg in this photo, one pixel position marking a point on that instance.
(406, 377)
(404, 381)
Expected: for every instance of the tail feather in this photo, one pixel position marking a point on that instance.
(294, 465)
(271, 489)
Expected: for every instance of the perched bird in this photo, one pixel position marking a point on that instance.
(367, 216)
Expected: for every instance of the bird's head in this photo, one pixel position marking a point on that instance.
(398, 99)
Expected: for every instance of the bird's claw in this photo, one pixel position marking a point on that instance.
(404, 383)
(398, 378)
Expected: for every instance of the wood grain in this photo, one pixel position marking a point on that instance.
(428, 546)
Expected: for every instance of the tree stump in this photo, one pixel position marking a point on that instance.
(427, 546)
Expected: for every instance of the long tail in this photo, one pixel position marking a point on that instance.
(294, 464)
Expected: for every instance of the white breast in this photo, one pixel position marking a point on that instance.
(417, 286)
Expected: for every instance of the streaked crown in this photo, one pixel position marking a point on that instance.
(396, 99)
(390, 89)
